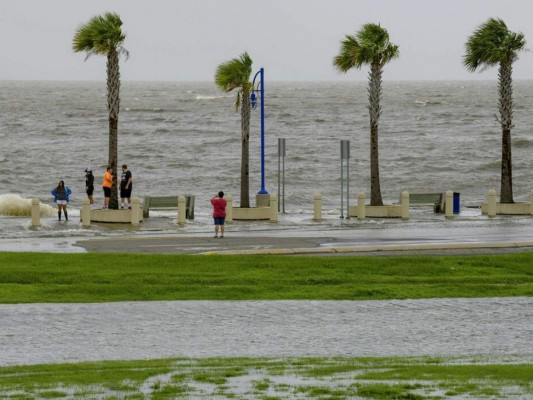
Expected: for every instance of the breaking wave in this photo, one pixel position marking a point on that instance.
(203, 97)
(16, 206)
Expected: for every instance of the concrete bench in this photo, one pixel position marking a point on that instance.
(434, 200)
(168, 203)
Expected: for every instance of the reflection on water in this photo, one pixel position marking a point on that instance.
(49, 333)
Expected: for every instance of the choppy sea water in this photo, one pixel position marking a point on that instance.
(182, 138)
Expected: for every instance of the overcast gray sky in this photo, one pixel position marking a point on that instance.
(184, 40)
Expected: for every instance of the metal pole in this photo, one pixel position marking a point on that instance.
(348, 183)
(342, 180)
(345, 165)
(262, 90)
(283, 176)
(279, 170)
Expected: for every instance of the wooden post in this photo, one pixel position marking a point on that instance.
(85, 213)
(135, 211)
(361, 210)
(273, 208)
(405, 205)
(448, 204)
(491, 208)
(182, 207)
(317, 207)
(35, 213)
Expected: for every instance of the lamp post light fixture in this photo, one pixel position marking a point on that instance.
(253, 103)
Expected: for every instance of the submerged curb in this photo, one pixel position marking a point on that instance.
(372, 249)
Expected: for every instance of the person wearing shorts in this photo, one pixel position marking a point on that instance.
(89, 184)
(219, 213)
(126, 186)
(107, 184)
(61, 195)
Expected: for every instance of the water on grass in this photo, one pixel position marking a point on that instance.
(52, 333)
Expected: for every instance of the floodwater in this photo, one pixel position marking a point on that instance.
(52, 333)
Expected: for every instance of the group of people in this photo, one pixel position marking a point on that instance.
(62, 193)
(126, 186)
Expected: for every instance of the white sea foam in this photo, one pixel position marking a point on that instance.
(16, 206)
(201, 97)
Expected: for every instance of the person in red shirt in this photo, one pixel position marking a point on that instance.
(219, 213)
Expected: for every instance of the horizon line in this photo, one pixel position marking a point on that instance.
(270, 80)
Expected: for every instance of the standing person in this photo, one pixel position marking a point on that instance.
(89, 184)
(126, 186)
(108, 183)
(61, 198)
(219, 213)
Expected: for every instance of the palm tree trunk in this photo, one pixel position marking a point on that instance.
(374, 97)
(505, 89)
(113, 160)
(113, 106)
(506, 190)
(245, 155)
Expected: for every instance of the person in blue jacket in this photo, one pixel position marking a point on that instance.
(61, 197)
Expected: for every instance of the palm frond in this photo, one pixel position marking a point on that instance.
(349, 56)
(370, 45)
(101, 34)
(234, 73)
(238, 101)
(491, 44)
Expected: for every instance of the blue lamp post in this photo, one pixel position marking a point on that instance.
(253, 103)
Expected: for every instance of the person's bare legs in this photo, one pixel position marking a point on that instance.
(221, 230)
(216, 230)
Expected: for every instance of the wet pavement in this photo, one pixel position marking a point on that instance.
(52, 333)
(431, 238)
(425, 232)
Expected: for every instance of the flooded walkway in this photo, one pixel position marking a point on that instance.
(51, 333)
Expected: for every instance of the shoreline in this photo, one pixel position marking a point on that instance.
(425, 233)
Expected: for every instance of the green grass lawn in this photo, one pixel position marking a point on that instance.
(263, 378)
(44, 277)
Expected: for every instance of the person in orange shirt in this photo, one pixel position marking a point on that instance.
(108, 183)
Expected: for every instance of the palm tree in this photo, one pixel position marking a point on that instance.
(493, 44)
(235, 74)
(371, 46)
(103, 35)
